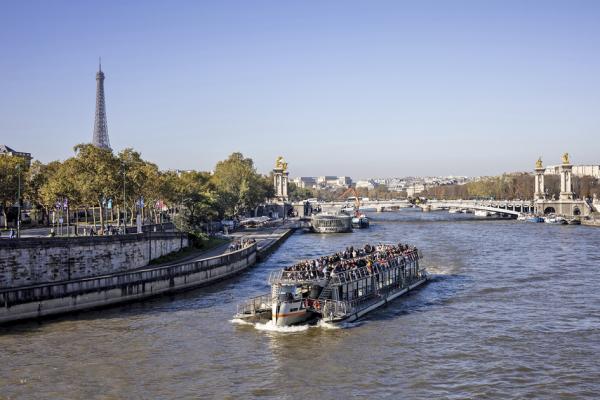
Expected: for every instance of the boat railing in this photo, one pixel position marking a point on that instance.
(294, 277)
(331, 309)
(250, 306)
(353, 274)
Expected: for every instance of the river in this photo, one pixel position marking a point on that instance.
(512, 311)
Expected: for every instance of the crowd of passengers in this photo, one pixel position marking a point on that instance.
(350, 259)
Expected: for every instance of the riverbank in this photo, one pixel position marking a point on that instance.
(267, 239)
(591, 222)
(35, 301)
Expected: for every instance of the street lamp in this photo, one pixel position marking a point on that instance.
(19, 202)
(124, 203)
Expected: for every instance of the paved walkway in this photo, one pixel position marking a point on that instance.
(264, 237)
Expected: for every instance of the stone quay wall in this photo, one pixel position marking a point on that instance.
(63, 297)
(34, 261)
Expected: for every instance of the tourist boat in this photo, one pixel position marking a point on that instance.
(331, 223)
(337, 288)
(522, 217)
(455, 211)
(556, 220)
(535, 218)
(360, 221)
(482, 213)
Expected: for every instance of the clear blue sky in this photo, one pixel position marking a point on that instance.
(370, 88)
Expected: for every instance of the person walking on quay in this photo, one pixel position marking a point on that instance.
(12, 234)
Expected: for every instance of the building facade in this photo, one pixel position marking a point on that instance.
(9, 152)
(578, 170)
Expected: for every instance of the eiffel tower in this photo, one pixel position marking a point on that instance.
(100, 124)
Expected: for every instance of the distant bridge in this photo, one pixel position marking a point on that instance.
(368, 205)
(510, 207)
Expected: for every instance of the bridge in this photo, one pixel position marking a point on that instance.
(510, 207)
(365, 205)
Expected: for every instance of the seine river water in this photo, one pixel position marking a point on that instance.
(512, 311)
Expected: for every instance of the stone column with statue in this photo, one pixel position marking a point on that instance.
(280, 179)
(540, 191)
(566, 187)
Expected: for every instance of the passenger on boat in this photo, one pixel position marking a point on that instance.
(350, 260)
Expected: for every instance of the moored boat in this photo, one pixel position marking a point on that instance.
(555, 220)
(337, 288)
(482, 213)
(360, 221)
(535, 218)
(331, 223)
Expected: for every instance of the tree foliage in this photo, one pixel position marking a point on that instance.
(94, 175)
(239, 187)
(11, 170)
(516, 186)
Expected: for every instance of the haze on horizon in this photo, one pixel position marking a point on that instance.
(339, 88)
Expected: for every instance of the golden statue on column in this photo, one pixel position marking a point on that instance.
(565, 159)
(281, 179)
(539, 164)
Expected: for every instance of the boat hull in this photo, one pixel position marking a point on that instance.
(331, 224)
(374, 306)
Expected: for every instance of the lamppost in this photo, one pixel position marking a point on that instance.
(19, 202)
(124, 203)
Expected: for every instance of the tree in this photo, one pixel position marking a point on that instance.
(196, 197)
(60, 185)
(142, 180)
(239, 187)
(37, 178)
(296, 193)
(11, 168)
(96, 172)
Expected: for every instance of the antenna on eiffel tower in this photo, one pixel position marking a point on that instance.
(100, 138)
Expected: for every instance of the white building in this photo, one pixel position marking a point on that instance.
(367, 184)
(413, 190)
(305, 182)
(578, 170)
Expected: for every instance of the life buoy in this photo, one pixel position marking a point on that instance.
(317, 305)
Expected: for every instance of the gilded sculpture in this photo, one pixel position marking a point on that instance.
(565, 158)
(281, 164)
(538, 163)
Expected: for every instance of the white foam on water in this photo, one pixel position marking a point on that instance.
(240, 321)
(441, 269)
(328, 325)
(270, 327)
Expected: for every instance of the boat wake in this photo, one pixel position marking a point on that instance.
(239, 321)
(270, 327)
(442, 269)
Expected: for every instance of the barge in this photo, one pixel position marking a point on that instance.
(337, 288)
(331, 223)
